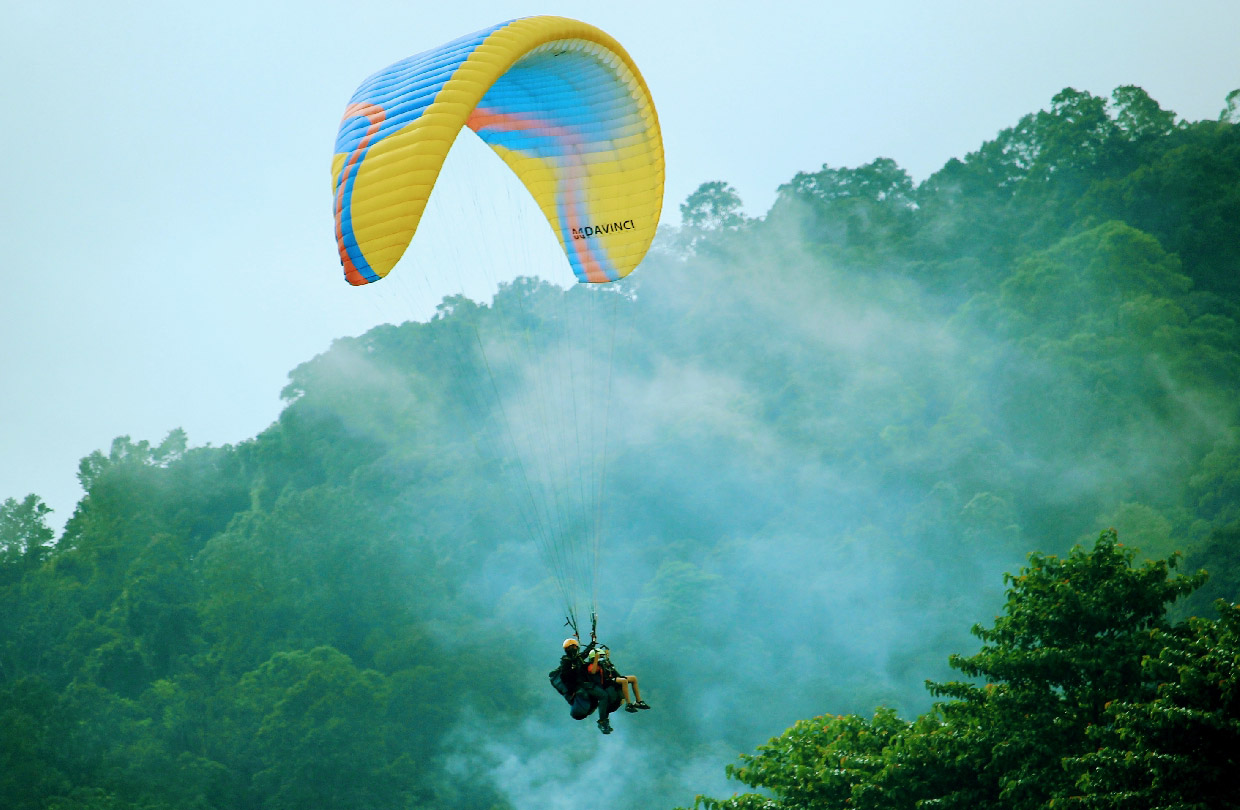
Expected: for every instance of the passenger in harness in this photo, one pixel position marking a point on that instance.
(600, 666)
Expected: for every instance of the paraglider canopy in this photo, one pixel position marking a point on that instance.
(558, 100)
(565, 108)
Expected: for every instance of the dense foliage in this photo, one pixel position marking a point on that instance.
(1083, 695)
(841, 422)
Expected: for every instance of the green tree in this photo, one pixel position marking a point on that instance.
(829, 761)
(1071, 641)
(1219, 554)
(1231, 112)
(1074, 640)
(33, 727)
(1140, 118)
(25, 537)
(1082, 284)
(321, 737)
(1177, 747)
(712, 206)
(869, 207)
(1187, 195)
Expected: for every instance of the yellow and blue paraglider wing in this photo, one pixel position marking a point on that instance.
(558, 100)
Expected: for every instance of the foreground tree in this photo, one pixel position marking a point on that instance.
(1083, 692)
(1177, 749)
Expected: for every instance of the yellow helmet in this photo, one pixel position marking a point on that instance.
(571, 642)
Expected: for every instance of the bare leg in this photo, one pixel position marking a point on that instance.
(624, 689)
(637, 695)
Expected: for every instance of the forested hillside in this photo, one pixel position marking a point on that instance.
(842, 423)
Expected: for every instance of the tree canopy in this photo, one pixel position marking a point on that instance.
(1084, 694)
(842, 421)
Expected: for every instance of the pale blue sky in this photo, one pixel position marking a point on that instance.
(169, 254)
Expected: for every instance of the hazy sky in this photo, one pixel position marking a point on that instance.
(169, 253)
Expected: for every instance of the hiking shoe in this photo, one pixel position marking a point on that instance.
(604, 726)
(641, 704)
(630, 708)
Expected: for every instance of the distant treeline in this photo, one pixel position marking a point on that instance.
(842, 422)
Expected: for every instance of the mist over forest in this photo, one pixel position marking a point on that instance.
(834, 429)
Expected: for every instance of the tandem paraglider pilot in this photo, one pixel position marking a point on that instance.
(588, 681)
